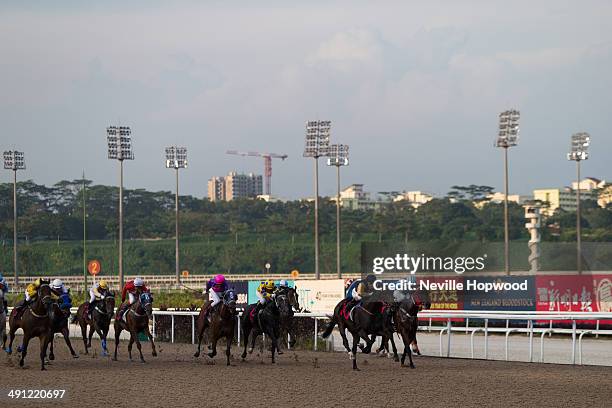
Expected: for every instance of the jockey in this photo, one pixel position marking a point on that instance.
(218, 284)
(132, 291)
(30, 293)
(265, 290)
(4, 288)
(359, 289)
(98, 291)
(58, 287)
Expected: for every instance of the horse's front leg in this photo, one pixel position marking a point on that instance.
(150, 336)
(246, 330)
(137, 340)
(66, 335)
(213, 345)
(84, 334)
(118, 330)
(24, 349)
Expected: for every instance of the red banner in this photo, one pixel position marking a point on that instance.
(574, 293)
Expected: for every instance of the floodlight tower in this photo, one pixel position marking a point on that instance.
(578, 152)
(338, 156)
(119, 140)
(176, 158)
(317, 145)
(14, 160)
(507, 137)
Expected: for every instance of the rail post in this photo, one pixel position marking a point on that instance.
(316, 329)
(153, 329)
(574, 342)
(239, 329)
(486, 330)
(478, 329)
(507, 336)
(449, 338)
(530, 325)
(544, 332)
(192, 329)
(580, 345)
(172, 331)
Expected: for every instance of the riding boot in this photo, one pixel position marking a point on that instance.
(122, 309)
(90, 308)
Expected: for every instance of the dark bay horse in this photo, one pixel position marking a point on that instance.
(222, 324)
(287, 302)
(60, 313)
(361, 321)
(265, 322)
(101, 317)
(35, 321)
(136, 320)
(407, 324)
(2, 319)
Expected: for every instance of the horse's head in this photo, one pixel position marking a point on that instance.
(46, 297)
(109, 302)
(146, 303)
(282, 303)
(292, 296)
(230, 298)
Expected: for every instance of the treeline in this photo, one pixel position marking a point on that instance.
(56, 213)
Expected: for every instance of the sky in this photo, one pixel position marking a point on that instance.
(413, 87)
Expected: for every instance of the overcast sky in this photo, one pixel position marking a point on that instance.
(413, 87)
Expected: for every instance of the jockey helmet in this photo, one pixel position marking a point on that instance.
(103, 284)
(283, 283)
(138, 282)
(219, 279)
(370, 279)
(269, 284)
(57, 284)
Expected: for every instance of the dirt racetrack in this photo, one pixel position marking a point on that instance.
(301, 378)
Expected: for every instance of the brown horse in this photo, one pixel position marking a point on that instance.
(100, 320)
(222, 323)
(2, 319)
(35, 321)
(407, 324)
(60, 312)
(136, 320)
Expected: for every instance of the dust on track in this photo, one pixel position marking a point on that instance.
(301, 378)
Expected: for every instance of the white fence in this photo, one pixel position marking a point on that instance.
(442, 321)
(446, 327)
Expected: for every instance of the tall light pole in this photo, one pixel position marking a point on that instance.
(84, 233)
(120, 148)
(14, 160)
(506, 138)
(176, 158)
(338, 156)
(578, 152)
(317, 145)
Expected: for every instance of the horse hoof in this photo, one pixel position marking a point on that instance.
(279, 352)
(43, 369)
(77, 356)
(20, 363)
(114, 358)
(211, 355)
(412, 366)
(142, 360)
(196, 354)
(251, 351)
(52, 357)
(9, 351)
(356, 369)
(154, 354)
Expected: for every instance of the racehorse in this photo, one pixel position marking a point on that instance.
(265, 322)
(136, 320)
(360, 321)
(222, 323)
(101, 316)
(407, 324)
(35, 321)
(2, 319)
(287, 301)
(60, 312)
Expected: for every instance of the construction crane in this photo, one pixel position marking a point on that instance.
(267, 165)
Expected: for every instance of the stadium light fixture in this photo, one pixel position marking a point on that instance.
(579, 151)
(176, 158)
(507, 136)
(119, 139)
(14, 160)
(338, 156)
(317, 145)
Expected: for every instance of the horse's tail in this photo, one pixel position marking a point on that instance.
(330, 327)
